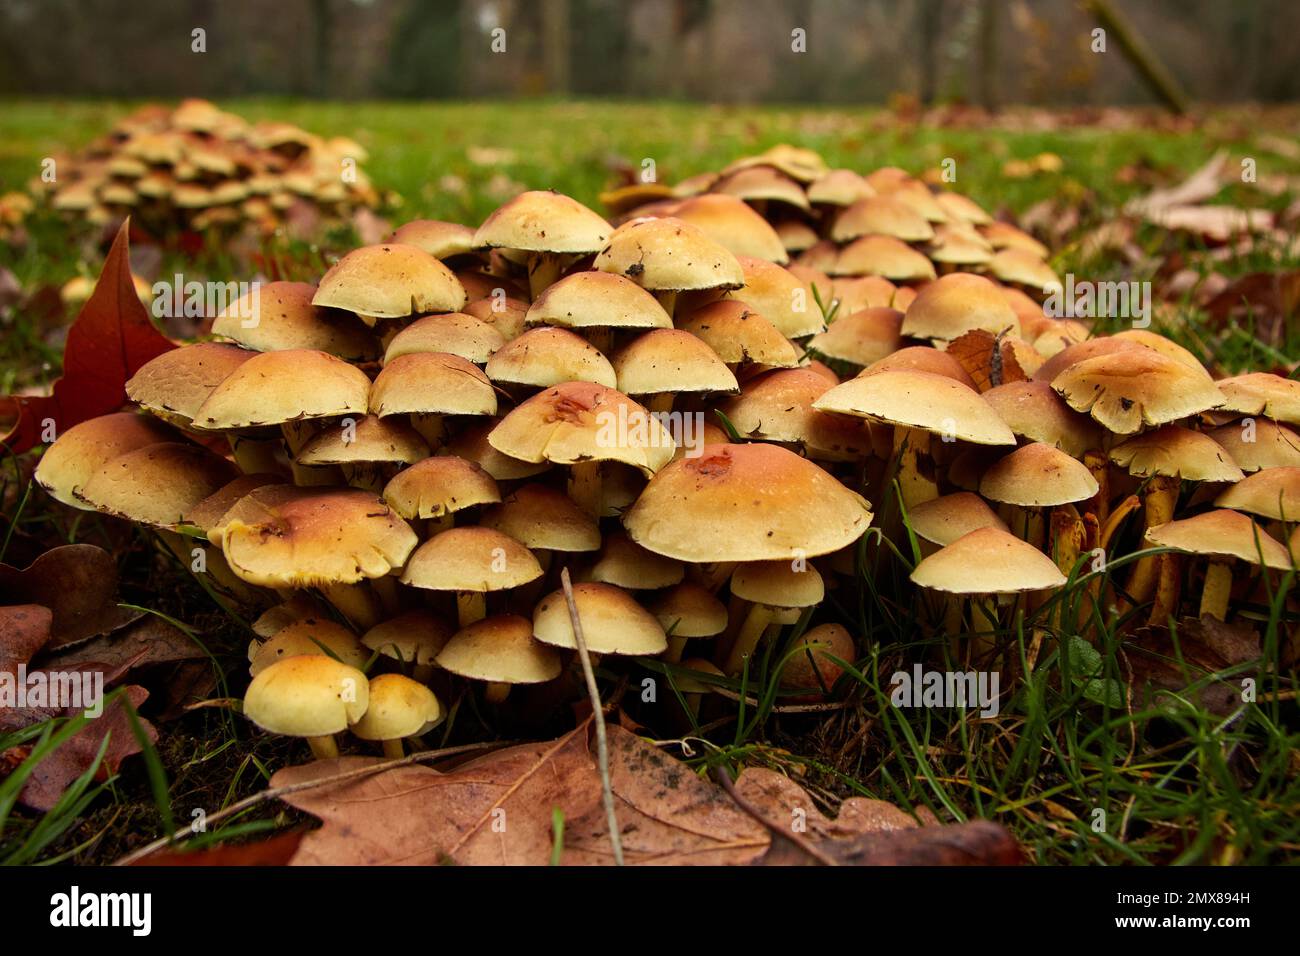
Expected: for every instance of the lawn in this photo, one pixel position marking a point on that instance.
(1078, 775)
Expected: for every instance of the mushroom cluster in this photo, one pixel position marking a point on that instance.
(422, 441)
(199, 167)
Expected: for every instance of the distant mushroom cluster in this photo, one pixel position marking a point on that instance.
(198, 167)
(416, 446)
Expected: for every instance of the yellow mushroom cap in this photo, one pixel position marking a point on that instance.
(391, 280)
(669, 254)
(1271, 493)
(84, 448)
(365, 439)
(543, 518)
(1258, 443)
(738, 333)
(415, 637)
(439, 486)
(176, 383)
(397, 707)
(782, 297)
(944, 519)
(882, 256)
(624, 563)
(670, 360)
(921, 400)
(862, 337)
(689, 610)
(1038, 475)
(312, 635)
(597, 300)
(1032, 410)
(307, 696)
(545, 356)
(988, 561)
(778, 406)
(442, 240)
(452, 332)
(471, 559)
(1126, 390)
(502, 650)
(1263, 393)
(436, 383)
(157, 484)
(272, 388)
(612, 622)
(281, 316)
(543, 221)
(881, 215)
(1178, 453)
(778, 583)
(956, 304)
(733, 225)
(745, 503)
(1222, 534)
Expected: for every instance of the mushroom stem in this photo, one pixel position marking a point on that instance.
(367, 477)
(1159, 500)
(661, 402)
(389, 595)
(432, 429)
(1214, 594)
(543, 270)
(422, 673)
(444, 522)
(356, 602)
(324, 748)
(756, 621)
(1167, 586)
(676, 645)
(296, 434)
(393, 749)
(1098, 463)
(668, 299)
(600, 338)
(910, 446)
(255, 456)
(585, 487)
(471, 606)
(496, 692)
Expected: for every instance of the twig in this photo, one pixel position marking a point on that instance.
(272, 793)
(825, 708)
(598, 713)
(798, 839)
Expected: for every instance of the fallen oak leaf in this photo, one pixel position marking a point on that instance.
(78, 583)
(987, 358)
(111, 339)
(149, 640)
(1205, 646)
(275, 851)
(24, 630)
(976, 843)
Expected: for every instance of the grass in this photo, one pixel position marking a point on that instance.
(1177, 783)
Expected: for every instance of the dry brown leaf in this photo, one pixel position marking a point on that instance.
(1219, 223)
(78, 583)
(1206, 646)
(275, 851)
(987, 358)
(497, 810)
(1201, 185)
(24, 630)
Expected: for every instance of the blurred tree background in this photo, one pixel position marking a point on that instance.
(981, 51)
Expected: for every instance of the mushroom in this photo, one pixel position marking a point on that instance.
(454, 333)
(597, 304)
(612, 622)
(767, 586)
(280, 315)
(955, 304)
(687, 611)
(733, 225)
(502, 651)
(303, 637)
(428, 386)
(390, 280)
(545, 356)
(663, 363)
(543, 520)
(550, 228)
(368, 449)
(435, 489)
(668, 256)
(1034, 477)
(398, 708)
(778, 406)
(311, 696)
(415, 638)
(470, 562)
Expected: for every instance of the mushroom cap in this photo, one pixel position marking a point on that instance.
(437, 383)
(1262, 393)
(282, 536)
(209, 512)
(1038, 475)
(810, 666)
(391, 280)
(176, 383)
(157, 484)
(669, 254)
(272, 388)
(541, 517)
(365, 439)
(1167, 347)
(1272, 493)
(738, 333)
(778, 583)
(83, 449)
(442, 240)
(452, 332)
(796, 236)
(415, 637)
(398, 707)
(922, 358)
(625, 563)
(688, 684)
(861, 337)
(1222, 534)
(839, 187)
(956, 304)
(281, 316)
(612, 622)
(944, 519)
(689, 610)
(881, 215)
(734, 225)
(1177, 453)
(670, 360)
(307, 696)
(502, 650)
(582, 421)
(988, 561)
(1024, 268)
(586, 300)
(797, 162)
(1077, 352)
(778, 406)
(762, 183)
(543, 221)
(304, 637)
(471, 559)
(472, 445)
(546, 356)
(745, 503)
(921, 400)
(961, 208)
(440, 486)
(1126, 390)
(882, 256)
(1003, 235)
(780, 296)
(1261, 444)
(1034, 411)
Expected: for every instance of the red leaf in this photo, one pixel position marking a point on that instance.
(112, 337)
